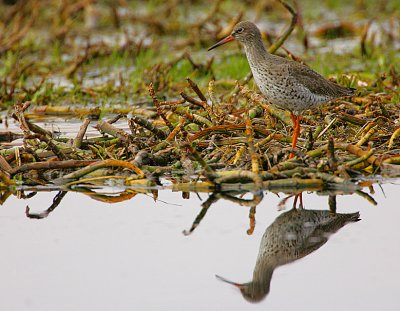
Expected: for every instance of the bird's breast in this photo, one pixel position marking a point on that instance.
(281, 91)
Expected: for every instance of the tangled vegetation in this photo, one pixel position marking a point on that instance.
(165, 108)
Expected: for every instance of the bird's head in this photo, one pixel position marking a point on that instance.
(251, 291)
(245, 32)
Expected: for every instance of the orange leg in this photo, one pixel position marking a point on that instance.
(296, 197)
(296, 132)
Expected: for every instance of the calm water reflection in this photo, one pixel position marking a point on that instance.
(293, 235)
(104, 249)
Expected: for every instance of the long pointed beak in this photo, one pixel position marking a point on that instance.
(223, 41)
(227, 281)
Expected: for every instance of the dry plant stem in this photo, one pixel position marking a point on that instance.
(363, 44)
(326, 128)
(102, 164)
(108, 128)
(7, 43)
(393, 138)
(211, 92)
(158, 107)
(359, 152)
(53, 147)
(95, 112)
(172, 103)
(253, 155)
(329, 178)
(299, 171)
(239, 176)
(116, 118)
(19, 112)
(50, 165)
(363, 158)
(80, 60)
(195, 118)
(203, 21)
(238, 155)
(208, 171)
(332, 162)
(202, 104)
(300, 24)
(267, 139)
(273, 48)
(150, 126)
(196, 89)
(310, 141)
(5, 180)
(18, 157)
(162, 145)
(368, 126)
(82, 130)
(351, 119)
(250, 145)
(317, 152)
(37, 129)
(364, 139)
(224, 129)
(283, 166)
(176, 130)
(4, 165)
(393, 160)
(48, 154)
(170, 137)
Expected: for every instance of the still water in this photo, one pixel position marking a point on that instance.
(134, 255)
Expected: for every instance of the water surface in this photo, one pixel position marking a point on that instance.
(133, 255)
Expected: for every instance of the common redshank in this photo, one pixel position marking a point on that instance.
(284, 83)
(293, 235)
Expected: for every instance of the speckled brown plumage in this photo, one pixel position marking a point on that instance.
(284, 83)
(292, 235)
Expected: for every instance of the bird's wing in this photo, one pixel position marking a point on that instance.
(316, 83)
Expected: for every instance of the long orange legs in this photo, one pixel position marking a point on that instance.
(296, 131)
(296, 197)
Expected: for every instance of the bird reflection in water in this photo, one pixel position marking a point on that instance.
(293, 235)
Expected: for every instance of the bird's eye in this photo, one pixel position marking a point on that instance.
(239, 30)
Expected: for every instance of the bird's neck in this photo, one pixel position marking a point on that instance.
(261, 283)
(256, 52)
(263, 272)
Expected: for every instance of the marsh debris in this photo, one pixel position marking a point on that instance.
(199, 131)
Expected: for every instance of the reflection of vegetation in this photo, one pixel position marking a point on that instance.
(56, 201)
(214, 197)
(237, 197)
(293, 235)
(104, 197)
